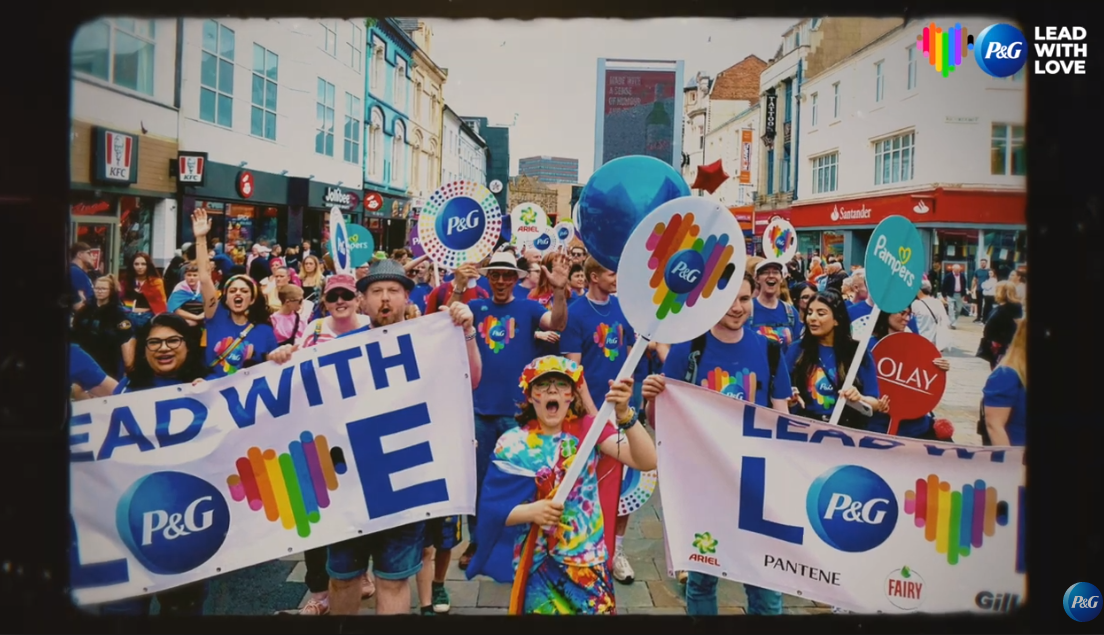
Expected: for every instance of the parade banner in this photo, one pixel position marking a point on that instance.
(866, 522)
(357, 435)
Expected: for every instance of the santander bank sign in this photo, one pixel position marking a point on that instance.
(855, 213)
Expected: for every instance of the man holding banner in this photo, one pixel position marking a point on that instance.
(734, 360)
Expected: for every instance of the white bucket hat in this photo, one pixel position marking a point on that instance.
(503, 261)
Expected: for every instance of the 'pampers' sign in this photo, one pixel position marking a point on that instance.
(178, 484)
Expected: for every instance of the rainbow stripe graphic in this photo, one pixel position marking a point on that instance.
(955, 521)
(742, 383)
(489, 323)
(681, 234)
(780, 240)
(292, 488)
(601, 338)
(945, 49)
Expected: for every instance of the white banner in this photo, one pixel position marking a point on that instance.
(355, 436)
(866, 522)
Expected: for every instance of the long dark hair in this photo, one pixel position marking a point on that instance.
(194, 366)
(843, 344)
(529, 413)
(257, 313)
(151, 269)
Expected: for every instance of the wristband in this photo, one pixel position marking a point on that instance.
(628, 422)
(468, 338)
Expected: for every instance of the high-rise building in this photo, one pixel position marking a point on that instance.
(498, 156)
(550, 169)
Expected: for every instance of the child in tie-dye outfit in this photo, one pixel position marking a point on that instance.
(557, 554)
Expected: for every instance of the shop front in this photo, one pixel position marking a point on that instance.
(746, 217)
(245, 206)
(120, 190)
(388, 217)
(321, 198)
(956, 226)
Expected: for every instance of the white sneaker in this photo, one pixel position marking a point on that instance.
(622, 570)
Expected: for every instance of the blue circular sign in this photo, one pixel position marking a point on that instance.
(341, 248)
(362, 244)
(852, 509)
(563, 233)
(543, 242)
(172, 522)
(460, 223)
(895, 264)
(1082, 602)
(684, 271)
(1001, 50)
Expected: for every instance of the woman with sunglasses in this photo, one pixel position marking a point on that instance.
(922, 427)
(339, 300)
(238, 333)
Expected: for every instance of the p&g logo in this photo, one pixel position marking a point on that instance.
(852, 509)
(684, 270)
(543, 242)
(1001, 50)
(460, 223)
(172, 522)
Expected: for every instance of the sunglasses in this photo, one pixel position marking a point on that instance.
(578, 254)
(171, 343)
(500, 275)
(340, 294)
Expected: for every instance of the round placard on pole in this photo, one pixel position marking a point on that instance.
(565, 233)
(780, 241)
(895, 263)
(361, 245)
(636, 488)
(545, 241)
(908, 375)
(460, 223)
(339, 242)
(527, 220)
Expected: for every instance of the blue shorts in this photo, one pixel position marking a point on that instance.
(396, 554)
(443, 533)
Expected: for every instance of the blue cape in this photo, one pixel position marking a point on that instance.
(505, 487)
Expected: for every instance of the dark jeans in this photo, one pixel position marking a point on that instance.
(183, 601)
(701, 597)
(987, 307)
(317, 579)
(487, 431)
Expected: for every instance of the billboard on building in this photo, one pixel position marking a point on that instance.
(637, 110)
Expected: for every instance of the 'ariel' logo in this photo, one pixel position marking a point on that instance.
(705, 543)
(529, 216)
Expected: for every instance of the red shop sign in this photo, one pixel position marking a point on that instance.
(907, 374)
(932, 206)
(245, 184)
(373, 202)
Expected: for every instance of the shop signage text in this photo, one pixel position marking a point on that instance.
(938, 206)
(339, 197)
(191, 168)
(114, 156)
(855, 213)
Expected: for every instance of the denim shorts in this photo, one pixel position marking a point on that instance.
(395, 553)
(443, 533)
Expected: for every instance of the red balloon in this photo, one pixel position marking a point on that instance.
(710, 177)
(944, 429)
(907, 374)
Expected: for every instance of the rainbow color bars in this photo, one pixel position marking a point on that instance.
(945, 49)
(293, 487)
(681, 234)
(955, 521)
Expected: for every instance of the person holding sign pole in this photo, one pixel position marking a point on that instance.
(560, 549)
(820, 363)
(735, 360)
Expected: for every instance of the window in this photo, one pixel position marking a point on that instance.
(416, 173)
(119, 51)
(835, 100)
(379, 68)
(912, 67)
(1007, 151)
(352, 129)
(814, 109)
(356, 49)
(375, 147)
(262, 122)
(329, 30)
(418, 102)
(434, 170)
(398, 155)
(324, 111)
(893, 159)
(399, 89)
(824, 173)
(879, 83)
(216, 75)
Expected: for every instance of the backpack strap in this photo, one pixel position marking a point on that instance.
(791, 316)
(774, 355)
(697, 347)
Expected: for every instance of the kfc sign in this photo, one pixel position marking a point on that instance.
(191, 168)
(115, 156)
(346, 201)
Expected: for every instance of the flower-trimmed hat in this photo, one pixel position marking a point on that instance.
(547, 365)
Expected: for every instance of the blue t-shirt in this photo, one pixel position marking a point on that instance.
(1004, 389)
(418, 295)
(819, 391)
(83, 370)
(911, 428)
(740, 370)
(506, 345)
(158, 382)
(80, 282)
(863, 309)
(778, 324)
(602, 335)
(222, 332)
(484, 284)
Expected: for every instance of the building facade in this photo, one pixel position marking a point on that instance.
(473, 155)
(883, 133)
(275, 106)
(695, 124)
(124, 133)
(526, 189)
(427, 105)
(388, 104)
(450, 145)
(735, 143)
(498, 159)
(550, 169)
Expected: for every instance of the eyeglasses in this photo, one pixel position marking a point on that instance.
(340, 294)
(171, 343)
(552, 385)
(500, 275)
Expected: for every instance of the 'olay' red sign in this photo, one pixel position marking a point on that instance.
(907, 373)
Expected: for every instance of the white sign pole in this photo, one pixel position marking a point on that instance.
(853, 369)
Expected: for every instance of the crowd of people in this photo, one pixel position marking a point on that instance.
(535, 393)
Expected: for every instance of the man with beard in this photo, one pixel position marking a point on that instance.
(773, 318)
(742, 364)
(507, 327)
(396, 554)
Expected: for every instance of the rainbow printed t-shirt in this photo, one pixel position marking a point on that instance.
(602, 336)
(504, 333)
(740, 370)
(818, 389)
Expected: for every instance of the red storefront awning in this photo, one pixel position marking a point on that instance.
(930, 207)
